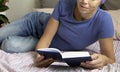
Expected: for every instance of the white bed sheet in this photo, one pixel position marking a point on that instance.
(24, 62)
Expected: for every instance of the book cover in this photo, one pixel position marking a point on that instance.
(72, 58)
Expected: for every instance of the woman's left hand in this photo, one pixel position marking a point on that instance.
(98, 61)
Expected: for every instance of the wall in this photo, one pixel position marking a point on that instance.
(19, 8)
(48, 3)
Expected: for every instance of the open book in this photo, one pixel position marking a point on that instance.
(72, 58)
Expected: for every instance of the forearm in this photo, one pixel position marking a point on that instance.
(48, 34)
(43, 43)
(109, 60)
(107, 49)
(109, 54)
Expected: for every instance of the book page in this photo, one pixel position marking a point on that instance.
(50, 50)
(75, 54)
(59, 64)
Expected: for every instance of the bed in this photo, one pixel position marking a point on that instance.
(24, 62)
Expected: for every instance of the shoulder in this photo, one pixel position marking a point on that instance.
(103, 14)
(105, 24)
(103, 19)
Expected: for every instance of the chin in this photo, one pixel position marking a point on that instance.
(84, 12)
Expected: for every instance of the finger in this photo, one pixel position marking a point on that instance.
(98, 66)
(49, 63)
(90, 66)
(94, 56)
(95, 62)
(85, 65)
(38, 55)
(39, 58)
(45, 63)
(96, 59)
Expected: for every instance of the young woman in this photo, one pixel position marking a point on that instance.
(74, 25)
(77, 24)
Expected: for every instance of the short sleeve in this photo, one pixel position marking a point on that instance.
(57, 10)
(106, 28)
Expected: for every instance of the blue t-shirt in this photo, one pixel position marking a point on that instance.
(77, 35)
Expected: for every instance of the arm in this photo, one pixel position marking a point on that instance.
(106, 48)
(48, 34)
(45, 41)
(106, 56)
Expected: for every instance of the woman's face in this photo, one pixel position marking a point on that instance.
(87, 6)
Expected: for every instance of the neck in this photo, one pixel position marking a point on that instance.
(82, 16)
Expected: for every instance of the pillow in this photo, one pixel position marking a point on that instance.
(116, 22)
(46, 10)
(112, 4)
(48, 3)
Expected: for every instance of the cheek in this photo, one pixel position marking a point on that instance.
(93, 6)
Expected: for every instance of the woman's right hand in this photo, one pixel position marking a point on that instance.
(40, 61)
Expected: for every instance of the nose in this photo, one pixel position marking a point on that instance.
(85, 1)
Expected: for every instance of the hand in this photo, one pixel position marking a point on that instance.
(41, 62)
(98, 61)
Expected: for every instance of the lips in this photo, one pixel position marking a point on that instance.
(83, 6)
